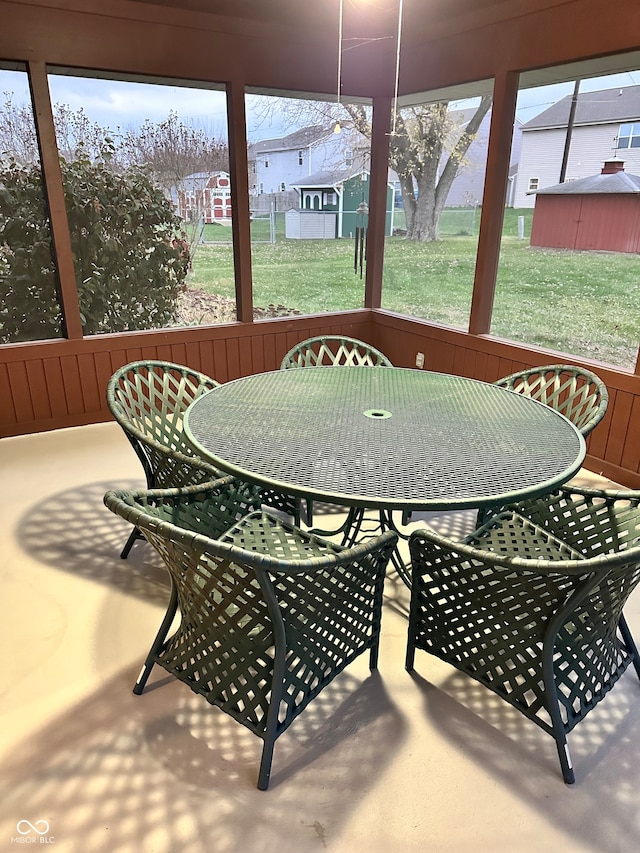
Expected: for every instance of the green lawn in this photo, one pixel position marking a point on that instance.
(585, 303)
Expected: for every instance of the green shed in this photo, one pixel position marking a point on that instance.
(340, 192)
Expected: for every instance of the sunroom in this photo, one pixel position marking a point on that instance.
(453, 288)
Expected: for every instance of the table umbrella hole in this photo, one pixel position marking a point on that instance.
(377, 413)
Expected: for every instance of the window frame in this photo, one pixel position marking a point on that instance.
(631, 136)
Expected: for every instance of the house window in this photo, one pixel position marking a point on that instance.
(261, 188)
(330, 198)
(266, 162)
(629, 136)
(282, 187)
(300, 158)
(348, 157)
(534, 183)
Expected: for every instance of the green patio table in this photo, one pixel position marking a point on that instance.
(387, 438)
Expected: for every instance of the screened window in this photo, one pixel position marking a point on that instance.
(569, 270)
(148, 201)
(302, 231)
(438, 153)
(30, 308)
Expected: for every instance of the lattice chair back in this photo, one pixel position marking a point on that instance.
(148, 399)
(269, 615)
(577, 393)
(531, 604)
(338, 351)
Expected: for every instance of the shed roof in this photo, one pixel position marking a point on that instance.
(606, 105)
(616, 183)
(328, 178)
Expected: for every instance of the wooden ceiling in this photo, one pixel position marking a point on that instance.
(367, 18)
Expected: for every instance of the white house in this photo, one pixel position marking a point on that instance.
(606, 125)
(275, 165)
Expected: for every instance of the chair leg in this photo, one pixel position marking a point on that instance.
(133, 536)
(551, 698)
(161, 636)
(630, 644)
(565, 758)
(373, 655)
(265, 763)
(410, 657)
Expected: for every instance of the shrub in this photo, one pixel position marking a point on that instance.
(128, 273)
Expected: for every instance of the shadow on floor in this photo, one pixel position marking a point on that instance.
(118, 768)
(604, 747)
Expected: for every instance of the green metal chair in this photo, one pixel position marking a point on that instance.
(334, 351)
(577, 393)
(269, 615)
(530, 605)
(149, 399)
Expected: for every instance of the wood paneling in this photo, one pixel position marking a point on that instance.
(62, 383)
(65, 385)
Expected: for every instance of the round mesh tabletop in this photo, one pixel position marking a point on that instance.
(384, 437)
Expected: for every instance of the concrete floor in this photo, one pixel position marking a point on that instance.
(379, 762)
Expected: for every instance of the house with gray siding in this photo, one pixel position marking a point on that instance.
(275, 165)
(606, 125)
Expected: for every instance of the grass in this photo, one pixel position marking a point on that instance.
(581, 303)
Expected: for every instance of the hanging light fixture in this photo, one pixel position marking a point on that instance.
(337, 127)
(397, 78)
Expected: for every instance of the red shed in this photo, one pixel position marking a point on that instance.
(598, 212)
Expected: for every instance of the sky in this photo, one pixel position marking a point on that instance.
(115, 104)
(531, 102)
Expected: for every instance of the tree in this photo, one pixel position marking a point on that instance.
(17, 131)
(75, 132)
(173, 150)
(167, 152)
(128, 274)
(427, 150)
(180, 158)
(29, 304)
